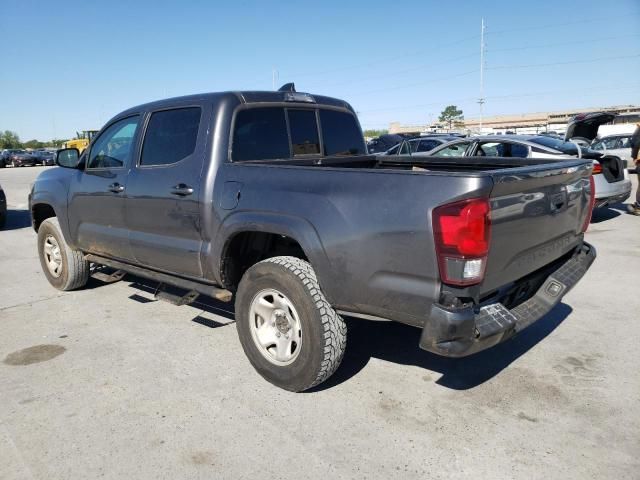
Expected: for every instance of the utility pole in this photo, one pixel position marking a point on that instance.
(274, 77)
(481, 99)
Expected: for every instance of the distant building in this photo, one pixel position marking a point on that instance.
(528, 122)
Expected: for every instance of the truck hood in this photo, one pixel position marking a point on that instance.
(586, 125)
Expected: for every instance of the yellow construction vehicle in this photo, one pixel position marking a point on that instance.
(82, 140)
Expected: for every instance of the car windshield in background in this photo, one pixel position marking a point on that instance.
(561, 145)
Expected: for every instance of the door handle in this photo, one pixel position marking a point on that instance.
(116, 188)
(181, 190)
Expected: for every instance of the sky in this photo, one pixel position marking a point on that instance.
(69, 66)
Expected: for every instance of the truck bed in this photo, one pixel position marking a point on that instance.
(464, 165)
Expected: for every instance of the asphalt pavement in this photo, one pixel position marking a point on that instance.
(105, 382)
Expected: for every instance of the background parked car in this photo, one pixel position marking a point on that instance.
(419, 144)
(5, 156)
(3, 208)
(384, 142)
(609, 172)
(618, 145)
(21, 159)
(44, 157)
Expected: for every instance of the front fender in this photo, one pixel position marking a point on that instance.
(294, 227)
(51, 188)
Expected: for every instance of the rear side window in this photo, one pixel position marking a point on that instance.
(520, 151)
(171, 136)
(426, 145)
(304, 132)
(341, 134)
(260, 134)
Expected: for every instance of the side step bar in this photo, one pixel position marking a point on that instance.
(175, 299)
(208, 290)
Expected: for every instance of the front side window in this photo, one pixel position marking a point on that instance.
(114, 147)
(609, 143)
(171, 136)
(341, 134)
(304, 132)
(260, 134)
(394, 150)
(455, 150)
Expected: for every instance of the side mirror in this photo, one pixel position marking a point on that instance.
(68, 157)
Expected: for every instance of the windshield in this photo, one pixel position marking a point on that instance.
(561, 145)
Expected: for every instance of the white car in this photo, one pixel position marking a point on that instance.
(609, 173)
(618, 145)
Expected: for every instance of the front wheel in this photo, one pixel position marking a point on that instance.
(64, 267)
(288, 330)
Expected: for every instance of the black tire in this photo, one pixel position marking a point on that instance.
(324, 332)
(74, 272)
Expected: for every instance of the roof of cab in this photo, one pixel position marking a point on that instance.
(246, 97)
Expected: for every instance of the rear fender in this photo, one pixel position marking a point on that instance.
(296, 228)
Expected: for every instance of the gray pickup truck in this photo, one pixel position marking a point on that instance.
(271, 198)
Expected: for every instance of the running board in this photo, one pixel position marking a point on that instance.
(201, 288)
(109, 277)
(174, 299)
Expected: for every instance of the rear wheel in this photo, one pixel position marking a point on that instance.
(64, 267)
(288, 330)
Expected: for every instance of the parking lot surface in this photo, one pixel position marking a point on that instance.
(106, 382)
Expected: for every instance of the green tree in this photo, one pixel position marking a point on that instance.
(374, 133)
(56, 142)
(9, 139)
(33, 144)
(452, 116)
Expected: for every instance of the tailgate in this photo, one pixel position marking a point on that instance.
(537, 213)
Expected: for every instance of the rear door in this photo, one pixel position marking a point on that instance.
(163, 191)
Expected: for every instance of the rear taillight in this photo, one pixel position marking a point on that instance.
(592, 202)
(597, 168)
(462, 232)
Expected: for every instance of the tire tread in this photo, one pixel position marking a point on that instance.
(334, 327)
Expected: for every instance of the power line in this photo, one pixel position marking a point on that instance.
(435, 80)
(550, 25)
(602, 88)
(399, 72)
(389, 58)
(575, 42)
(574, 62)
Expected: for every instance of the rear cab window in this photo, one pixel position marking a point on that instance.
(272, 133)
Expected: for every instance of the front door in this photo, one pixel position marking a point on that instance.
(163, 192)
(97, 193)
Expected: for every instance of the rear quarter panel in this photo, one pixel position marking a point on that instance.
(367, 233)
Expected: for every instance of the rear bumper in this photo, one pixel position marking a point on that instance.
(462, 332)
(610, 193)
